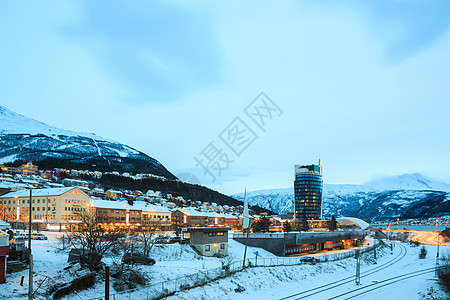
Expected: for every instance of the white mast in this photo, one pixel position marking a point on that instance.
(246, 220)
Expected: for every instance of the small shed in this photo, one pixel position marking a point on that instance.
(4, 226)
(4, 252)
(209, 241)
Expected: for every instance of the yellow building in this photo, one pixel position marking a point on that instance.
(113, 194)
(54, 208)
(156, 217)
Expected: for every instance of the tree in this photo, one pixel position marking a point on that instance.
(304, 226)
(141, 241)
(287, 226)
(261, 225)
(332, 224)
(6, 214)
(92, 239)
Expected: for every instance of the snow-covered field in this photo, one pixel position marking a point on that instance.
(176, 260)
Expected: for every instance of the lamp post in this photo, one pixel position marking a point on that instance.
(437, 253)
(30, 256)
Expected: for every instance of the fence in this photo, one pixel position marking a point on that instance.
(163, 289)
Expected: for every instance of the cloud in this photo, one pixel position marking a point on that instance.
(407, 27)
(158, 51)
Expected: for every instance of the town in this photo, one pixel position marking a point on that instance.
(60, 201)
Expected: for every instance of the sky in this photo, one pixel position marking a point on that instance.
(232, 95)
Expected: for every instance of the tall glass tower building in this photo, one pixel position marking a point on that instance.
(308, 185)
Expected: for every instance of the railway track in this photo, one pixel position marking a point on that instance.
(385, 282)
(337, 283)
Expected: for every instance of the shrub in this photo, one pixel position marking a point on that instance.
(78, 284)
(423, 253)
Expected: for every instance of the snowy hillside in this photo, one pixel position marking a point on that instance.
(25, 139)
(406, 196)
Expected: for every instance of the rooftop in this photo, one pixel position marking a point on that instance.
(38, 192)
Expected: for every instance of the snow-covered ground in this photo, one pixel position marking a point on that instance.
(284, 281)
(176, 260)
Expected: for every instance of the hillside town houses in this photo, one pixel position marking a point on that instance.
(60, 198)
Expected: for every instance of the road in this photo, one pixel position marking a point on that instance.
(423, 237)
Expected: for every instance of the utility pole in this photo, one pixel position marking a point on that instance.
(375, 256)
(358, 268)
(107, 284)
(245, 225)
(30, 256)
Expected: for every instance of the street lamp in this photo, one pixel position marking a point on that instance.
(30, 256)
(437, 253)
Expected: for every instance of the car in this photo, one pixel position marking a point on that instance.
(163, 240)
(178, 239)
(137, 258)
(308, 259)
(21, 237)
(39, 236)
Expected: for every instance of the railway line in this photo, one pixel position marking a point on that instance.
(346, 280)
(382, 283)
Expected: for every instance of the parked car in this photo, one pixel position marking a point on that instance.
(136, 258)
(308, 259)
(163, 240)
(39, 236)
(178, 239)
(21, 237)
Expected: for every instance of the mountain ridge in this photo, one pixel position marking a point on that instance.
(406, 196)
(25, 139)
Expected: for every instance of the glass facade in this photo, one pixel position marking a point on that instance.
(308, 187)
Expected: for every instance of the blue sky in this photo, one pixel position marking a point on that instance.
(362, 84)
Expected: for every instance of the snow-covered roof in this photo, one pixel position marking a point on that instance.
(4, 225)
(196, 213)
(114, 191)
(347, 221)
(228, 216)
(4, 186)
(138, 205)
(38, 192)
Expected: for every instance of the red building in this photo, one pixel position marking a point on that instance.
(4, 252)
(230, 221)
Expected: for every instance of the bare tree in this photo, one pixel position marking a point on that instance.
(93, 241)
(5, 213)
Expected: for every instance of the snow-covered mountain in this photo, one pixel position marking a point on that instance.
(24, 139)
(405, 196)
(413, 181)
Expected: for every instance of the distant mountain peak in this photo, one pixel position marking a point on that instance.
(413, 181)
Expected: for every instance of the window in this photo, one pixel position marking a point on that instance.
(222, 246)
(207, 248)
